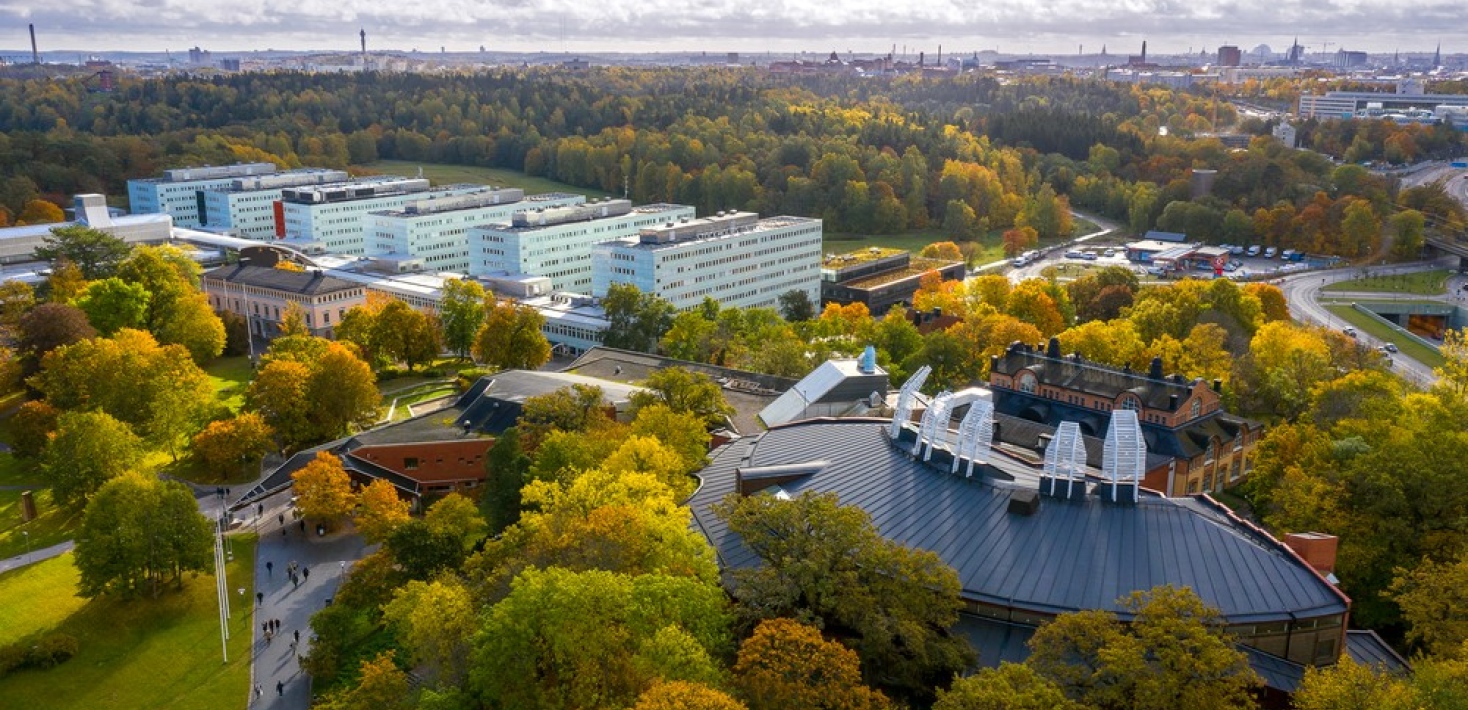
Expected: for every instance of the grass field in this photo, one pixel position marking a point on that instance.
(231, 375)
(139, 653)
(1377, 329)
(441, 174)
(1423, 283)
(53, 524)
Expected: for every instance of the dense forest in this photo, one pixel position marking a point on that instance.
(971, 155)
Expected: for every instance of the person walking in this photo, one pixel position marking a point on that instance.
(259, 599)
(297, 634)
(270, 568)
(257, 691)
(305, 573)
(280, 688)
(282, 518)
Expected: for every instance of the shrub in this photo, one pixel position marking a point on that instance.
(44, 653)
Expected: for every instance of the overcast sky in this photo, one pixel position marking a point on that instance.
(750, 26)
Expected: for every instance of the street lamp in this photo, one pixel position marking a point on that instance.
(27, 535)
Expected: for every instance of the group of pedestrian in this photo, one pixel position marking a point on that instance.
(272, 627)
(297, 574)
(279, 689)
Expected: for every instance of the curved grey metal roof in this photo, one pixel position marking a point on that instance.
(1068, 556)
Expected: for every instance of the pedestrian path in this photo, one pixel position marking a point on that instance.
(35, 556)
(322, 564)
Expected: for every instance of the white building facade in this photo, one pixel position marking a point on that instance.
(330, 217)
(179, 193)
(556, 242)
(736, 259)
(434, 230)
(247, 207)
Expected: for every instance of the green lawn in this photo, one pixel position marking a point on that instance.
(53, 524)
(1366, 324)
(231, 375)
(1423, 283)
(140, 653)
(442, 174)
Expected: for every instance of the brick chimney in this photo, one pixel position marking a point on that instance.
(1317, 549)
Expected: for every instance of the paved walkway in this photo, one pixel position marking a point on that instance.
(34, 556)
(327, 560)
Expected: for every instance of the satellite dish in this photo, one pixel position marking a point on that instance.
(874, 400)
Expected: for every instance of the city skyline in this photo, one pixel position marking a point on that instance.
(750, 26)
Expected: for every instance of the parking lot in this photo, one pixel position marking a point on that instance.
(1240, 266)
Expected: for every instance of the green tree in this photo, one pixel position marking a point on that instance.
(137, 534)
(1347, 685)
(112, 304)
(683, 433)
(506, 467)
(456, 517)
(825, 564)
(1360, 229)
(1011, 686)
(1434, 603)
(796, 306)
(685, 391)
(1172, 655)
(88, 450)
(959, 221)
(636, 320)
(381, 686)
(406, 334)
(511, 338)
(461, 312)
(342, 391)
(566, 639)
(787, 664)
(1409, 228)
(95, 252)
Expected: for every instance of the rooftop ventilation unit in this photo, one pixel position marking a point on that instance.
(1065, 463)
(905, 397)
(975, 435)
(934, 427)
(867, 364)
(1124, 461)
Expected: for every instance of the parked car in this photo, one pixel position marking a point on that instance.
(1270, 252)
(1089, 255)
(1236, 250)
(1109, 253)
(1253, 251)
(1075, 254)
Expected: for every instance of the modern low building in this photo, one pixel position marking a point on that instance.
(880, 278)
(556, 242)
(1034, 538)
(246, 207)
(18, 244)
(328, 218)
(1347, 104)
(1208, 448)
(735, 258)
(433, 229)
(179, 193)
(262, 295)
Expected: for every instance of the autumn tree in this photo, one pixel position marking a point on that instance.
(88, 450)
(278, 393)
(31, 427)
(381, 511)
(683, 695)
(1173, 654)
(405, 334)
(48, 327)
(40, 212)
(1011, 686)
(455, 517)
(95, 252)
(1020, 240)
(233, 443)
(323, 489)
(436, 622)
(825, 564)
(787, 664)
(511, 338)
(461, 312)
(293, 321)
(310, 389)
(16, 299)
(1435, 605)
(683, 390)
(947, 251)
(138, 534)
(65, 282)
(683, 433)
(381, 685)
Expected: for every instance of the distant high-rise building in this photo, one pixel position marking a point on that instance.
(1229, 56)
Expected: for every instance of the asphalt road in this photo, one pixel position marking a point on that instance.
(1302, 291)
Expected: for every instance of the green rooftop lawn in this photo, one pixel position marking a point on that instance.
(1422, 283)
(138, 653)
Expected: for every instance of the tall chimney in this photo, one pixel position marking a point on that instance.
(1144, 51)
(35, 55)
(363, 35)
